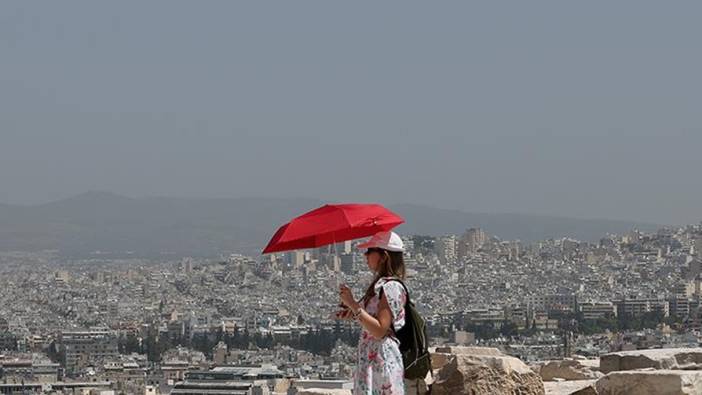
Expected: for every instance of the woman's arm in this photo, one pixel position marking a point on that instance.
(377, 327)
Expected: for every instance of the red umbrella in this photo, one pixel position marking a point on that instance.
(332, 223)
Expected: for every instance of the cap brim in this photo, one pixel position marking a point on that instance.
(369, 244)
(394, 249)
(365, 245)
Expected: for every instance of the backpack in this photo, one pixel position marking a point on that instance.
(414, 343)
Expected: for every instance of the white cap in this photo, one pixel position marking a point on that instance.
(390, 241)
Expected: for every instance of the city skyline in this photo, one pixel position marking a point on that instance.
(113, 223)
(137, 325)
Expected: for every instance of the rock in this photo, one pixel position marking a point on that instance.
(439, 360)
(468, 350)
(575, 387)
(569, 369)
(486, 374)
(666, 358)
(323, 391)
(592, 364)
(536, 366)
(440, 356)
(650, 382)
(589, 390)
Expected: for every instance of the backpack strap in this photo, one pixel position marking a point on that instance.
(403, 286)
(407, 302)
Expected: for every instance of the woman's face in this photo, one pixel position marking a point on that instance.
(373, 257)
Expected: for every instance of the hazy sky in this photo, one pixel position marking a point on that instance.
(587, 109)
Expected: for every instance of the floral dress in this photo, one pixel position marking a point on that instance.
(379, 369)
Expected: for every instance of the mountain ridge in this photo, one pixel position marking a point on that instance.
(152, 226)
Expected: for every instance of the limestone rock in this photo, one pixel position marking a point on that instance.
(536, 366)
(666, 358)
(439, 360)
(589, 390)
(440, 356)
(468, 350)
(569, 369)
(486, 374)
(575, 387)
(592, 364)
(651, 382)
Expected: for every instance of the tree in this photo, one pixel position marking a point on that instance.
(509, 329)
(152, 347)
(201, 342)
(128, 344)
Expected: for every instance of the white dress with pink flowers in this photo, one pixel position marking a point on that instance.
(379, 369)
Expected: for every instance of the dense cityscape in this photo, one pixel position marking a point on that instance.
(265, 324)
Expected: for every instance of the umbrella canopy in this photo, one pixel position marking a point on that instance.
(332, 223)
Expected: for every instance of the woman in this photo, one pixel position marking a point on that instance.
(379, 367)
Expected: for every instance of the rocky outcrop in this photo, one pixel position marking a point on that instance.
(566, 387)
(468, 350)
(440, 356)
(574, 387)
(589, 390)
(477, 370)
(481, 370)
(675, 371)
(570, 369)
(651, 382)
(667, 358)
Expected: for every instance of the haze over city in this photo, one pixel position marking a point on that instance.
(538, 108)
(522, 179)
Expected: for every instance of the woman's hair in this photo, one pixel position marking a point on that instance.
(391, 264)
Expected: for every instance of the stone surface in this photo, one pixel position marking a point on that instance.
(666, 358)
(468, 350)
(478, 370)
(575, 387)
(439, 360)
(440, 356)
(589, 390)
(569, 369)
(592, 364)
(651, 382)
(486, 374)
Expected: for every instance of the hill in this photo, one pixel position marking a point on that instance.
(101, 221)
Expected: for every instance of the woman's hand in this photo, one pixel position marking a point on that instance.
(347, 298)
(344, 314)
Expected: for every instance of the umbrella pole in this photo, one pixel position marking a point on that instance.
(334, 258)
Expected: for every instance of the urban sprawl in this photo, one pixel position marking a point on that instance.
(259, 325)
